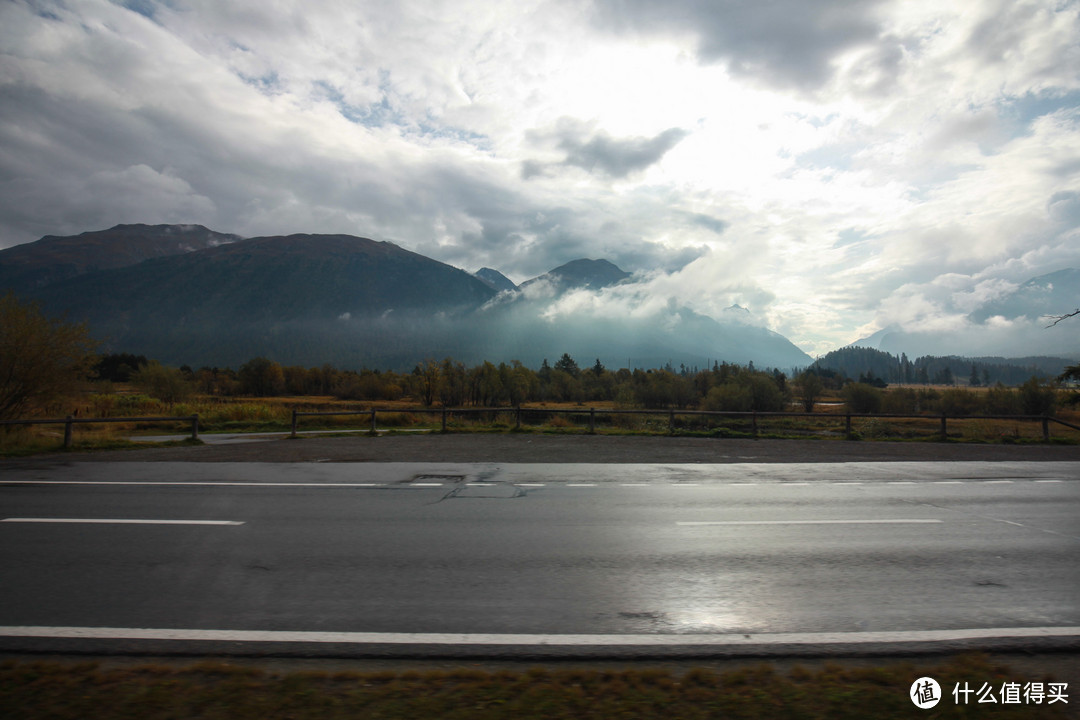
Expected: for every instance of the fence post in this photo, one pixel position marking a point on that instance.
(373, 432)
(195, 426)
(293, 433)
(1046, 428)
(944, 431)
(517, 418)
(671, 422)
(67, 433)
(847, 425)
(592, 421)
(753, 422)
(444, 419)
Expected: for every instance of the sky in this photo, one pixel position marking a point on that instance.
(833, 166)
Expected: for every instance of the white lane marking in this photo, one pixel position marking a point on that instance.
(900, 521)
(121, 521)
(346, 485)
(210, 483)
(718, 639)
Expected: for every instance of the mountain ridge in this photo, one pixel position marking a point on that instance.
(352, 301)
(55, 258)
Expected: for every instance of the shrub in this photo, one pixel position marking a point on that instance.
(863, 398)
(955, 401)
(1036, 398)
(730, 397)
(901, 401)
(1000, 400)
(169, 385)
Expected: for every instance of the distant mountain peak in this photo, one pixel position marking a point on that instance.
(495, 280)
(55, 258)
(583, 273)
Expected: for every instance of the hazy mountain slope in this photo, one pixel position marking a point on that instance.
(294, 296)
(531, 329)
(353, 302)
(54, 258)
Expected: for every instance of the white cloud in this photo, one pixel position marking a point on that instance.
(830, 165)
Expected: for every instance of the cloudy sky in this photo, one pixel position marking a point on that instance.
(833, 165)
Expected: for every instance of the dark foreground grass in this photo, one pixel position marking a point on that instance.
(31, 690)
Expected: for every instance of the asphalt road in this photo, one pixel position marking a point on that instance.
(679, 553)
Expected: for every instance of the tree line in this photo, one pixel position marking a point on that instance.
(451, 383)
(882, 368)
(42, 361)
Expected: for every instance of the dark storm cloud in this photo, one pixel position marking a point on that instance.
(600, 153)
(787, 43)
(619, 157)
(708, 222)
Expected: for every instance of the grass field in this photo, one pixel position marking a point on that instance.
(274, 414)
(38, 690)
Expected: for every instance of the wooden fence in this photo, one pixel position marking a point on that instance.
(755, 418)
(588, 418)
(69, 421)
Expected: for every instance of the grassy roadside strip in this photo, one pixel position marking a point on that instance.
(32, 690)
(38, 447)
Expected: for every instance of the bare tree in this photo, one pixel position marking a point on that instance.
(1059, 318)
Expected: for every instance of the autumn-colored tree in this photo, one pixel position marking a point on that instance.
(41, 359)
(261, 377)
(167, 384)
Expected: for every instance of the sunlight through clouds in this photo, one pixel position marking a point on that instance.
(830, 166)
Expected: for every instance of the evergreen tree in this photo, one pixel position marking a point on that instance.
(567, 365)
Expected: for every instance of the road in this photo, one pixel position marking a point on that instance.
(679, 553)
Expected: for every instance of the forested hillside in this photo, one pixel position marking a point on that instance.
(861, 362)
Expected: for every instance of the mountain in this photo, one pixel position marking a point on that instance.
(53, 258)
(582, 273)
(495, 280)
(297, 297)
(354, 302)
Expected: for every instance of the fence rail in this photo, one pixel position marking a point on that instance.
(69, 421)
(754, 417)
(446, 414)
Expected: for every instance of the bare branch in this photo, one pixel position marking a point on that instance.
(1059, 318)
